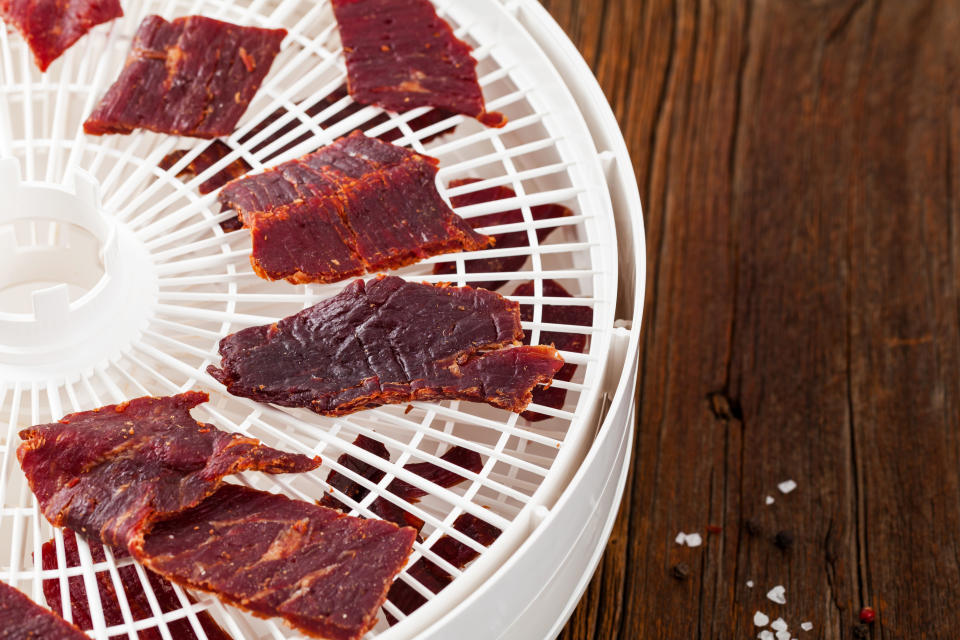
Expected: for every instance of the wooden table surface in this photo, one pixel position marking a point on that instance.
(798, 164)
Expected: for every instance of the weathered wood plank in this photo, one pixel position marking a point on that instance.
(797, 164)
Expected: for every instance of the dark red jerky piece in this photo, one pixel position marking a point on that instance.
(345, 485)
(23, 619)
(388, 341)
(399, 218)
(359, 204)
(107, 473)
(430, 575)
(391, 512)
(401, 55)
(136, 596)
(314, 239)
(194, 76)
(50, 27)
(218, 150)
(509, 240)
(324, 573)
(554, 397)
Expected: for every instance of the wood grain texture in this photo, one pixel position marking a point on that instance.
(798, 165)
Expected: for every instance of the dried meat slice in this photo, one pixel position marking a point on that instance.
(359, 204)
(109, 472)
(579, 315)
(401, 55)
(50, 27)
(430, 575)
(218, 150)
(23, 619)
(350, 488)
(133, 591)
(388, 341)
(391, 512)
(507, 240)
(194, 76)
(457, 455)
(324, 573)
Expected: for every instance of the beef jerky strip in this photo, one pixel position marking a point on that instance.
(176, 467)
(50, 27)
(23, 619)
(217, 150)
(325, 573)
(388, 341)
(109, 472)
(359, 204)
(430, 575)
(507, 240)
(460, 456)
(133, 590)
(401, 55)
(194, 76)
(573, 342)
(350, 488)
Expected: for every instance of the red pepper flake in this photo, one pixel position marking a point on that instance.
(248, 60)
(715, 529)
(868, 615)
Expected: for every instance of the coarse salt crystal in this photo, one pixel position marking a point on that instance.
(778, 594)
(694, 540)
(787, 486)
(680, 537)
(765, 635)
(760, 619)
(806, 626)
(779, 624)
(783, 635)
(769, 500)
(749, 584)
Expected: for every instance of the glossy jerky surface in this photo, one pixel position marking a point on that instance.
(554, 397)
(23, 619)
(401, 55)
(194, 76)
(50, 27)
(325, 573)
(217, 150)
(107, 473)
(388, 341)
(507, 240)
(133, 591)
(358, 205)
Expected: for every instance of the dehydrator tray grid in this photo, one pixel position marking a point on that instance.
(181, 283)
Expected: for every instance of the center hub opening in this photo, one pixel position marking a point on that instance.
(39, 254)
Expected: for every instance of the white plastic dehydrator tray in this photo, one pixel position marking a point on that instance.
(117, 281)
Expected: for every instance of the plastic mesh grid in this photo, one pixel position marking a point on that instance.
(205, 287)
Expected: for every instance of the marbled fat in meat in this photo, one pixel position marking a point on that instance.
(194, 76)
(388, 341)
(50, 27)
(323, 572)
(109, 472)
(401, 55)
